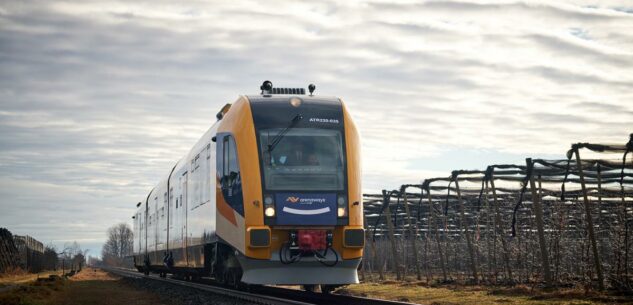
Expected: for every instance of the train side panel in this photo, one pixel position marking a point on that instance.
(201, 206)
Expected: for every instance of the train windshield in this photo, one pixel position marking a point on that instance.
(304, 159)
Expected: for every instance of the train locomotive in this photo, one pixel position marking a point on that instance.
(270, 194)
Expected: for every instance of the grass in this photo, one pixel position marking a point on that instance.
(421, 293)
(90, 286)
(18, 276)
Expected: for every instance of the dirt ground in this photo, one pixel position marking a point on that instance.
(421, 293)
(90, 286)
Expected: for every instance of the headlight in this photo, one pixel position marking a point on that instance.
(295, 102)
(269, 206)
(342, 206)
(342, 212)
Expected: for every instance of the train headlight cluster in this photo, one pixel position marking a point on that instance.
(269, 206)
(342, 206)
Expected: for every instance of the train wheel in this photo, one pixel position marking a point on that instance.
(218, 274)
(311, 288)
(327, 289)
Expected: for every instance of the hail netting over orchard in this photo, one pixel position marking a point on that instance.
(552, 221)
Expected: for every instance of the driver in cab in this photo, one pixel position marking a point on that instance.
(299, 156)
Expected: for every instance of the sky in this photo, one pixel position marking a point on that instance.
(98, 99)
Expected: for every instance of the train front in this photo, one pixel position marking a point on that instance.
(309, 161)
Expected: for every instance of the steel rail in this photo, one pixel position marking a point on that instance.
(273, 295)
(234, 294)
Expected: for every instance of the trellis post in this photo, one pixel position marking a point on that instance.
(469, 242)
(386, 196)
(537, 209)
(504, 245)
(590, 229)
(433, 222)
(413, 230)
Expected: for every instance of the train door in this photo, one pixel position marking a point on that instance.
(145, 224)
(170, 216)
(176, 224)
(183, 223)
(155, 223)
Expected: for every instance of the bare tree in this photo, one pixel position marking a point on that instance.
(118, 245)
(73, 257)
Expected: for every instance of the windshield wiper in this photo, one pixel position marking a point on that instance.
(282, 133)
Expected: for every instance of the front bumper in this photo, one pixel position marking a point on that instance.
(306, 271)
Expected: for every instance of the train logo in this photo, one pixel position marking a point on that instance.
(292, 199)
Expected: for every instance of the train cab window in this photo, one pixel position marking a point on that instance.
(302, 159)
(229, 172)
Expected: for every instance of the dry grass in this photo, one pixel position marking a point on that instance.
(19, 276)
(419, 292)
(87, 287)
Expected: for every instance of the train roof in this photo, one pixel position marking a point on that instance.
(270, 93)
(286, 97)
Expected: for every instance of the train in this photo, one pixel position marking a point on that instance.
(269, 195)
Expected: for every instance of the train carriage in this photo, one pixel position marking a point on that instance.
(271, 194)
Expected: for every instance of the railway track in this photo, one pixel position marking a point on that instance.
(265, 295)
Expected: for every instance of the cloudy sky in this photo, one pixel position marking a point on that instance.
(99, 99)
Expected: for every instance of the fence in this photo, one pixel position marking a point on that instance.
(555, 222)
(30, 253)
(8, 251)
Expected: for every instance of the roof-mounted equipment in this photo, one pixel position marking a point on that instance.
(268, 89)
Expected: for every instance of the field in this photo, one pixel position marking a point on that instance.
(420, 292)
(88, 287)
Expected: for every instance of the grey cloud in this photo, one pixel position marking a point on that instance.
(567, 48)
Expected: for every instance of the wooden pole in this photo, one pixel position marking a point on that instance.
(592, 237)
(469, 242)
(499, 228)
(392, 238)
(378, 259)
(413, 230)
(433, 222)
(537, 209)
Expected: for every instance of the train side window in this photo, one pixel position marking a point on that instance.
(225, 158)
(228, 172)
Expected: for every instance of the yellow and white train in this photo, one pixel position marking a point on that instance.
(271, 194)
